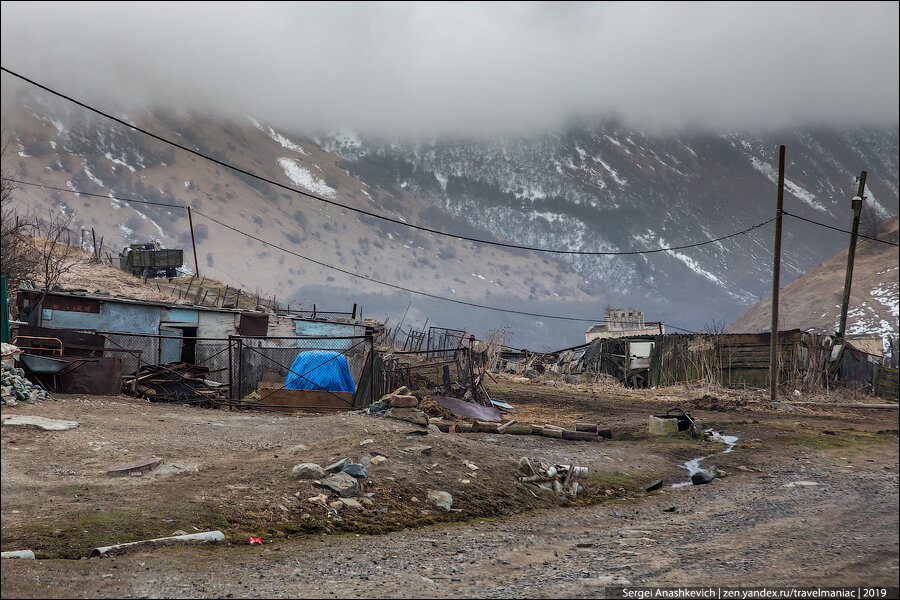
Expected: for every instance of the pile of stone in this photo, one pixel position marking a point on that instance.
(18, 389)
(399, 404)
(559, 479)
(341, 478)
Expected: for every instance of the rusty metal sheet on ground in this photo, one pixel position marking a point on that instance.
(469, 409)
(136, 468)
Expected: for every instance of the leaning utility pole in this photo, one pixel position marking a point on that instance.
(856, 203)
(776, 282)
(193, 243)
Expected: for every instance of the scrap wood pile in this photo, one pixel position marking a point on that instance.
(178, 382)
(585, 432)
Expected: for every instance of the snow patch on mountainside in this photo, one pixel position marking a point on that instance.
(305, 179)
(772, 174)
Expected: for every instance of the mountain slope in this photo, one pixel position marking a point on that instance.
(602, 187)
(52, 145)
(813, 301)
(592, 187)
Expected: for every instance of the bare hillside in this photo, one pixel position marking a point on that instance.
(813, 301)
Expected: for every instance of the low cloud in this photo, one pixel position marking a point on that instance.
(469, 68)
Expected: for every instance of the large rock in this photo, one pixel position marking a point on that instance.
(307, 471)
(440, 499)
(404, 401)
(701, 478)
(342, 484)
(337, 467)
(356, 470)
(412, 415)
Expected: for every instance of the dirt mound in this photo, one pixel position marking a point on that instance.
(430, 407)
(106, 278)
(709, 402)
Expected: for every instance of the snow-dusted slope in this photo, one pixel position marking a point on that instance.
(598, 188)
(605, 187)
(813, 301)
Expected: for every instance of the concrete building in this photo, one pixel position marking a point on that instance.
(623, 323)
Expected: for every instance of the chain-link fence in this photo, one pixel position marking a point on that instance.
(243, 362)
(269, 360)
(139, 350)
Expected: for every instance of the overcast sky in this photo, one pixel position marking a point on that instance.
(469, 68)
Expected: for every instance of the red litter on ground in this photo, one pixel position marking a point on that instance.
(255, 541)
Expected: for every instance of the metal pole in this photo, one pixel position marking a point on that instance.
(193, 242)
(776, 282)
(856, 204)
(231, 381)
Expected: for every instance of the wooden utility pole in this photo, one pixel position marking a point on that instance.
(776, 282)
(856, 204)
(193, 243)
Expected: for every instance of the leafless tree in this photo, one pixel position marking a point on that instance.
(53, 245)
(17, 253)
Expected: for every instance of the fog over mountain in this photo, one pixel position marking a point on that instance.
(472, 68)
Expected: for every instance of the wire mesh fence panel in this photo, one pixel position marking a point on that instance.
(147, 346)
(324, 362)
(138, 350)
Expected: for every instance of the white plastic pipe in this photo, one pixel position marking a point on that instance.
(18, 554)
(206, 536)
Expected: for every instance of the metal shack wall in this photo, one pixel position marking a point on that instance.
(334, 330)
(214, 324)
(113, 316)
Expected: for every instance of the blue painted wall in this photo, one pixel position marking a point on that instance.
(182, 315)
(112, 317)
(335, 330)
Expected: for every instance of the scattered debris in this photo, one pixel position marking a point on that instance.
(801, 484)
(135, 469)
(40, 422)
(179, 382)
(558, 479)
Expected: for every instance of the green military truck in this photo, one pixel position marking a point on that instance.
(150, 260)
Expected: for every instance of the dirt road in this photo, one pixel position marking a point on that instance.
(809, 499)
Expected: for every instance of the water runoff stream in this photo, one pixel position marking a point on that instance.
(693, 465)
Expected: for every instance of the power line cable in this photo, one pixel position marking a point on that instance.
(286, 250)
(106, 196)
(369, 213)
(391, 285)
(867, 237)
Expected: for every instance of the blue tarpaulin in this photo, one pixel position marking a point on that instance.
(320, 370)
